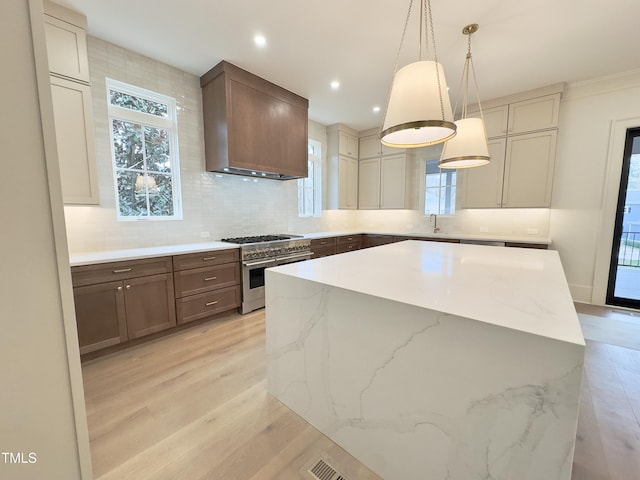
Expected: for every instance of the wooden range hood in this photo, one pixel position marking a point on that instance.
(251, 126)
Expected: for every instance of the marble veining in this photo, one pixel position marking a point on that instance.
(418, 393)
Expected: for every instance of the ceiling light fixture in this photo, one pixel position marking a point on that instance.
(260, 40)
(335, 85)
(418, 111)
(469, 147)
(376, 109)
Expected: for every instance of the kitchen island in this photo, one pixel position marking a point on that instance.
(432, 360)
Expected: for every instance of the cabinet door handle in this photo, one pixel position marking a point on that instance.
(119, 289)
(208, 304)
(122, 270)
(207, 259)
(208, 279)
(323, 243)
(128, 287)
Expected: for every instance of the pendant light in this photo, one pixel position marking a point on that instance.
(469, 147)
(418, 111)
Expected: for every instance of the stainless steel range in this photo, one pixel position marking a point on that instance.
(264, 251)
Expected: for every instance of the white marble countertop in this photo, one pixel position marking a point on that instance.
(146, 252)
(87, 258)
(521, 289)
(479, 238)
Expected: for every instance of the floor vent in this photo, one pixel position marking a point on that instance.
(321, 470)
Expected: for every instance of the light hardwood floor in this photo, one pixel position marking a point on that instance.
(193, 405)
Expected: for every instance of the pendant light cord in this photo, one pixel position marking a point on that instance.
(395, 67)
(469, 68)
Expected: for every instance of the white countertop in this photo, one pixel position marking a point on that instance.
(440, 235)
(87, 258)
(521, 289)
(146, 252)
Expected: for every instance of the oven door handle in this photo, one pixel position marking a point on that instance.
(261, 262)
(297, 255)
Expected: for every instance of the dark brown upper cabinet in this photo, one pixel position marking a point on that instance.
(251, 126)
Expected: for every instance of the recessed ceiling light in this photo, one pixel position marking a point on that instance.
(260, 40)
(335, 85)
(376, 109)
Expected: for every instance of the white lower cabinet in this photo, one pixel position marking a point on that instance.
(73, 117)
(520, 174)
(383, 183)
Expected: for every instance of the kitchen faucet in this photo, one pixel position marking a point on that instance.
(433, 216)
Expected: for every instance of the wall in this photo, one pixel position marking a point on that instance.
(587, 176)
(41, 405)
(214, 204)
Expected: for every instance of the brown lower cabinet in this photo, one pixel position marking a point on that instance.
(374, 239)
(347, 243)
(323, 247)
(206, 283)
(400, 238)
(122, 301)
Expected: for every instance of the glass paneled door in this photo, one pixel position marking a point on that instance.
(624, 272)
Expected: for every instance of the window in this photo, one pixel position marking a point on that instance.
(440, 197)
(144, 140)
(310, 188)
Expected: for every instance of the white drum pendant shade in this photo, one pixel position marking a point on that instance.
(416, 105)
(468, 148)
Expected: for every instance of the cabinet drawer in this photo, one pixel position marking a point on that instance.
(345, 239)
(108, 272)
(204, 279)
(202, 259)
(204, 304)
(347, 247)
(323, 242)
(320, 252)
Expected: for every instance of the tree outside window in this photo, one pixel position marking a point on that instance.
(145, 153)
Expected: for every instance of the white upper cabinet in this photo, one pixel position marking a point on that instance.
(348, 144)
(371, 146)
(73, 118)
(520, 174)
(540, 113)
(72, 104)
(369, 188)
(528, 171)
(483, 185)
(535, 114)
(342, 168)
(383, 182)
(66, 43)
(522, 144)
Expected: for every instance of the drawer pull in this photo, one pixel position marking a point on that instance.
(323, 243)
(122, 270)
(208, 279)
(208, 304)
(207, 259)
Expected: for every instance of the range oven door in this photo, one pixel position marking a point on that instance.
(253, 283)
(253, 278)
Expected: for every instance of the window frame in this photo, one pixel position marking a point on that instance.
(314, 161)
(168, 123)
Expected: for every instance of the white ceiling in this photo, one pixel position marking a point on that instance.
(521, 44)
